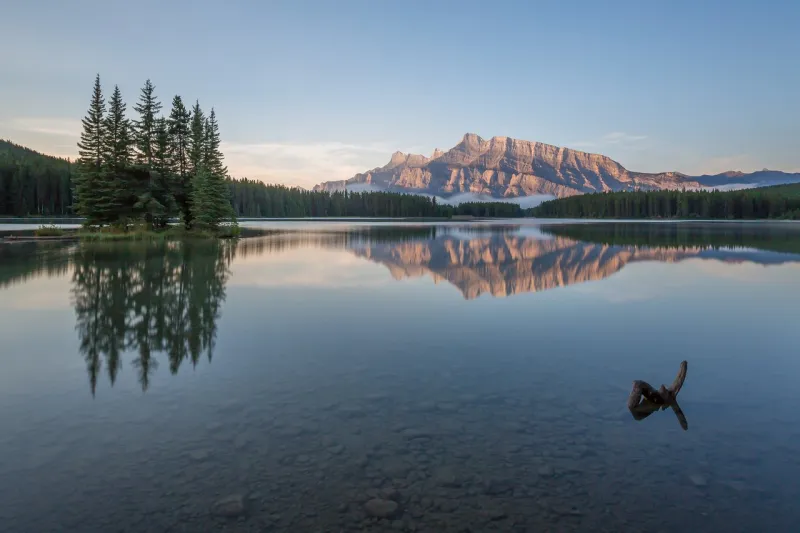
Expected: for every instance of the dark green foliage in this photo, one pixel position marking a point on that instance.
(89, 186)
(197, 140)
(210, 200)
(179, 130)
(488, 209)
(146, 171)
(32, 183)
(778, 238)
(122, 183)
(253, 198)
(781, 201)
(117, 142)
(154, 199)
(146, 128)
(212, 157)
(160, 204)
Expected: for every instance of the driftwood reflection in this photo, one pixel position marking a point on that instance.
(644, 400)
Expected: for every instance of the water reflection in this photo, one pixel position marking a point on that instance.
(504, 263)
(489, 415)
(147, 298)
(166, 298)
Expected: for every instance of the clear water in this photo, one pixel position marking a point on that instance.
(475, 375)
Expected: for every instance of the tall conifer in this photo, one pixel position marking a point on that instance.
(179, 134)
(148, 108)
(90, 161)
(121, 185)
(197, 139)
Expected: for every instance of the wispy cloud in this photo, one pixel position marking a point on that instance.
(304, 164)
(610, 139)
(716, 165)
(59, 127)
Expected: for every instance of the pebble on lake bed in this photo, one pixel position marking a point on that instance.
(381, 508)
(230, 507)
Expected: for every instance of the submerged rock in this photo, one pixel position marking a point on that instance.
(229, 507)
(380, 508)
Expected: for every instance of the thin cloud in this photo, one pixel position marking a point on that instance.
(615, 138)
(716, 165)
(303, 164)
(619, 137)
(59, 127)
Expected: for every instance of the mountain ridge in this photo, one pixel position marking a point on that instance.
(507, 167)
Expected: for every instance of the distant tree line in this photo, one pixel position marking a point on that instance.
(32, 183)
(775, 237)
(253, 198)
(152, 168)
(781, 201)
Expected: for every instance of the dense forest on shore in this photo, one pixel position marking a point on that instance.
(253, 198)
(32, 183)
(779, 237)
(781, 202)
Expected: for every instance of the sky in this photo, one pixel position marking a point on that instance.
(310, 91)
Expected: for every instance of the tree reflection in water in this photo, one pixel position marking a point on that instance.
(148, 298)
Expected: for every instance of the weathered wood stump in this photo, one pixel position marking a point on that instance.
(644, 400)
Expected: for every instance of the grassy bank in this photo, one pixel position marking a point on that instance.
(137, 233)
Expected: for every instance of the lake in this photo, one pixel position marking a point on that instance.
(403, 377)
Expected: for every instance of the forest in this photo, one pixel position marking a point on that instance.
(775, 237)
(781, 202)
(32, 183)
(253, 198)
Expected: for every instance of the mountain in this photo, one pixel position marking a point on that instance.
(506, 167)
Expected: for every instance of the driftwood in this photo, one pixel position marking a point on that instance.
(644, 400)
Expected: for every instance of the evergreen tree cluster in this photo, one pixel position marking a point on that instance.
(32, 183)
(781, 201)
(150, 168)
(253, 198)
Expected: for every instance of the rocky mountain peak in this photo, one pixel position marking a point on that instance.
(508, 167)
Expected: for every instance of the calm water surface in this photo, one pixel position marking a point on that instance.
(470, 377)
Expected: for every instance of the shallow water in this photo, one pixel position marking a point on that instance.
(476, 375)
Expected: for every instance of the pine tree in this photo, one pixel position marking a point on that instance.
(161, 203)
(221, 207)
(179, 135)
(197, 140)
(117, 145)
(90, 161)
(148, 108)
(121, 185)
(202, 199)
(212, 158)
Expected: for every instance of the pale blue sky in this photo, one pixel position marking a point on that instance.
(309, 91)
